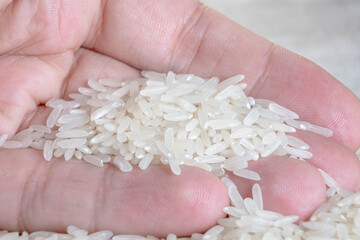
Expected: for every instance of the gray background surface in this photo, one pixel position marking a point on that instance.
(324, 31)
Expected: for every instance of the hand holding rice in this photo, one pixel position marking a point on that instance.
(90, 142)
(179, 120)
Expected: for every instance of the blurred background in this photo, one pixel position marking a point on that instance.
(324, 31)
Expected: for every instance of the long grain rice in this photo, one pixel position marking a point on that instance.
(12, 144)
(182, 119)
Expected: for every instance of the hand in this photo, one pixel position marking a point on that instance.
(49, 49)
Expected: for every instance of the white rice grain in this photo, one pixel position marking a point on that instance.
(213, 232)
(169, 138)
(101, 235)
(27, 142)
(94, 160)
(69, 153)
(110, 82)
(87, 91)
(235, 212)
(276, 108)
(265, 113)
(226, 93)
(182, 89)
(187, 106)
(243, 132)
(216, 148)
(77, 154)
(75, 231)
(48, 150)
(257, 196)
(285, 220)
(329, 181)
(100, 137)
(269, 138)
(320, 130)
(194, 134)
(230, 81)
(55, 113)
(236, 198)
(298, 152)
(74, 124)
(250, 206)
(72, 133)
(12, 144)
(40, 128)
(222, 124)
(128, 237)
(151, 91)
(248, 174)
(41, 234)
(94, 102)
(191, 125)
(122, 164)
(297, 143)
(71, 143)
(247, 143)
(212, 83)
(111, 127)
(174, 166)
(84, 149)
(96, 85)
(68, 118)
(269, 149)
(146, 160)
(101, 112)
(252, 117)
(210, 159)
(177, 117)
(120, 92)
(145, 107)
(163, 149)
(282, 127)
(297, 124)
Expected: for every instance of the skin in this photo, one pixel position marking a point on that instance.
(50, 48)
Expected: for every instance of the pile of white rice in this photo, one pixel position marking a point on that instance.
(187, 120)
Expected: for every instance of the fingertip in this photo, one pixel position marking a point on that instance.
(289, 186)
(201, 199)
(334, 158)
(296, 189)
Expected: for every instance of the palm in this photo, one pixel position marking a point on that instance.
(56, 48)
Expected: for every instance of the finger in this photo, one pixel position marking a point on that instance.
(289, 186)
(335, 159)
(27, 87)
(35, 60)
(26, 82)
(52, 195)
(87, 65)
(186, 36)
(45, 28)
(305, 88)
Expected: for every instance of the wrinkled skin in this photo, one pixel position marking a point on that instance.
(50, 48)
